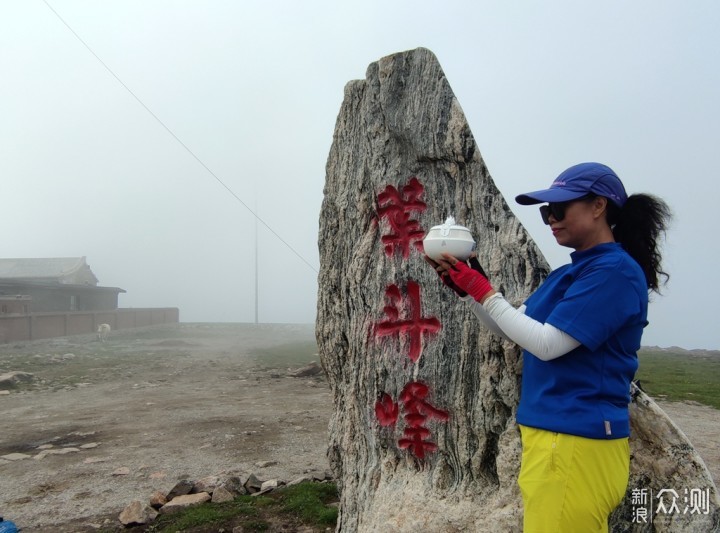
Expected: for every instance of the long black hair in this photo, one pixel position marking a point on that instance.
(638, 226)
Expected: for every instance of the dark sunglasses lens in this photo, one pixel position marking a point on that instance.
(556, 210)
(545, 214)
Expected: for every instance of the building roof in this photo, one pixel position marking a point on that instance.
(63, 270)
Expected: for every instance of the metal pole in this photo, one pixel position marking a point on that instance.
(256, 262)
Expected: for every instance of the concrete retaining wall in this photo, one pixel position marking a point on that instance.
(32, 326)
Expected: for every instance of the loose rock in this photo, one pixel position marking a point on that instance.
(157, 500)
(221, 494)
(136, 514)
(182, 488)
(234, 485)
(207, 484)
(15, 456)
(9, 380)
(313, 369)
(253, 484)
(186, 500)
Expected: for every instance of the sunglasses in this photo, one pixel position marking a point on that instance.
(557, 209)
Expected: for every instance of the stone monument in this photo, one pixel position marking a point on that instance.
(423, 434)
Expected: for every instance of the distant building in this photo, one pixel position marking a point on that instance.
(15, 305)
(52, 285)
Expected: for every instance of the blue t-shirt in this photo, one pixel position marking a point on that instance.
(601, 300)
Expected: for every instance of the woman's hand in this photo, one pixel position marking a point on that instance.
(462, 279)
(472, 281)
(441, 270)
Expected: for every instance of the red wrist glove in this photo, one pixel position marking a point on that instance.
(449, 283)
(470, 280)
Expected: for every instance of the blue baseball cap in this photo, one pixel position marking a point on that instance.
(576, 182)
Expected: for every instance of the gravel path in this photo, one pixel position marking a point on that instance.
(701, 424)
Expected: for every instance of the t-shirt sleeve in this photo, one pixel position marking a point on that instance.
(600, 301)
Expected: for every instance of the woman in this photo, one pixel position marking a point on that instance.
(580, 332)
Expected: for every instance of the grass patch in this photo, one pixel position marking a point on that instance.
(308, 501)
(680, 376)
(285, 509)
(200, 515)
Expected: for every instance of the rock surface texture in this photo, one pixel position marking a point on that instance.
(404, 122)
(422, 437)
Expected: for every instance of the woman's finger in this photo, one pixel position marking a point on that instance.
(450, 259)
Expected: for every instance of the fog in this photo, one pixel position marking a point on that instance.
(146, 136)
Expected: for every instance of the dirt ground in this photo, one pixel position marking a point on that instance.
(154, 405)
(165, 403)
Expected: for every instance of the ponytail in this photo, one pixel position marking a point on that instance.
(638, 226)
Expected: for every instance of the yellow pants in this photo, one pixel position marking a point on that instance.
(571, 484)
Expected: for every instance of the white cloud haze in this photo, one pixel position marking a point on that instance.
(253, 90)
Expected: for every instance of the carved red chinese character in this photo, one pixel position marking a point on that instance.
(396, 206)
(386, 410)
(417, 409)
(414, 325)
(417, 412)
(417, 446)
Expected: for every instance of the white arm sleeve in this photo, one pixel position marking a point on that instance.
(483, 316)
(544, 341)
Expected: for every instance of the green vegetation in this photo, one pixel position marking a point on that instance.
(307, 504)
(681, 375)
(203, 515)
(307, 500)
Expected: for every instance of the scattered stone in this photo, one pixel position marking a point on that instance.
(322, 476)
(235, 485)
(61, 451)
(4, 392)
(265, 464)
(225, 490)
(221, 494)
(136, 514)
(92, 460)
(184, 501)
(15, 456)
(55, 451)
(82, 433)
(312, 369)
(181, 488)
(158, 475)
(157, 500)
(253, 484)
(9, 380)
(301, 479)
(207, 484)
(269, 484)
(45, 446)
(122, 471)
(89, 446)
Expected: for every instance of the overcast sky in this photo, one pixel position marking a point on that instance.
(253, 89)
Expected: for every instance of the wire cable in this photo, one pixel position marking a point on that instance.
(187, 149)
